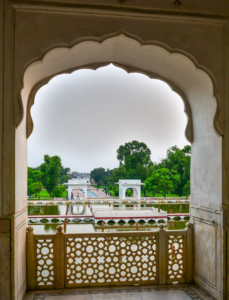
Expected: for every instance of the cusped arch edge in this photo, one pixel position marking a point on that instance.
(189, 129)
(128, 69)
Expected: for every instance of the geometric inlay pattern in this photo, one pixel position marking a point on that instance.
(106, 260)
(175, 256)
(45, 262)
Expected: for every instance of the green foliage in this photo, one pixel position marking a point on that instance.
(63, 175)
(63, 179)
(133, 154)
(58, 191)
(177, 218)
(178, 160)
(44, 220)
(98, 174)
(55, 220)
(50, 171)
(121, 222)
(131, 222)
(119, 173)
(161, 221)
(135, 158)
(163, 180)
(186, 189)
(151, 222)
(35, 188)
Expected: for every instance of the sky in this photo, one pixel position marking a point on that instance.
(85, 116)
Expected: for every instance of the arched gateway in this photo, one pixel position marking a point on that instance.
(186, 50)
(134, 184)
(77, 183)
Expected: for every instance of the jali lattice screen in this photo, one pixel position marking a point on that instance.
(106, 260)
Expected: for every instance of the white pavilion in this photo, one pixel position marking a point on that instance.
(134, 184)
(77, 183)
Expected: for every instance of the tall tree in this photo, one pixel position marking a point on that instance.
(178, 160)
(133, 154)
(50, 170)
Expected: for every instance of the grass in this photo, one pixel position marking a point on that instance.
(149, 194)
(44, 195)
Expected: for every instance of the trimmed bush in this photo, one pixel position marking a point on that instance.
(177, 218)
(186, 218)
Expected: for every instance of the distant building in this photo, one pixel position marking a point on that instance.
(79, 175)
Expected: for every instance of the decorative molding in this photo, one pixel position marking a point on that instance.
(189, 128)
(128, 69)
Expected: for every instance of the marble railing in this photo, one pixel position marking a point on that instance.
(62, 260)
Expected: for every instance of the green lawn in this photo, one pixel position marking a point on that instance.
(44, 195)
(149, 194)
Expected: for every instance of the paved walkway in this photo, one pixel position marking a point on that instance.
(179, 292)
(99, 193)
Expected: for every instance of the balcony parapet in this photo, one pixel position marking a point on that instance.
(61, 260)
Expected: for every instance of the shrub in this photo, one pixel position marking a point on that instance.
(186, 218)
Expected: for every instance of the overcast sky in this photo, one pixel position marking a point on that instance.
(85, 116)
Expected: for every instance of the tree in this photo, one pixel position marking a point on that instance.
(150, 186)
(98, 174)
(119, 173)
(178, 160)
(133, 154)
(50, 171)
(36, 176)
(163, 180)
(36, 188)
(64, 179)
(58, 191)
(186, 189)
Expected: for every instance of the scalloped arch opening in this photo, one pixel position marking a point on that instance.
(157, 61)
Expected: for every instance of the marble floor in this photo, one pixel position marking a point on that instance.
(179, 292)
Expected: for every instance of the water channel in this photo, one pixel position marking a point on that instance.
(45, 225)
